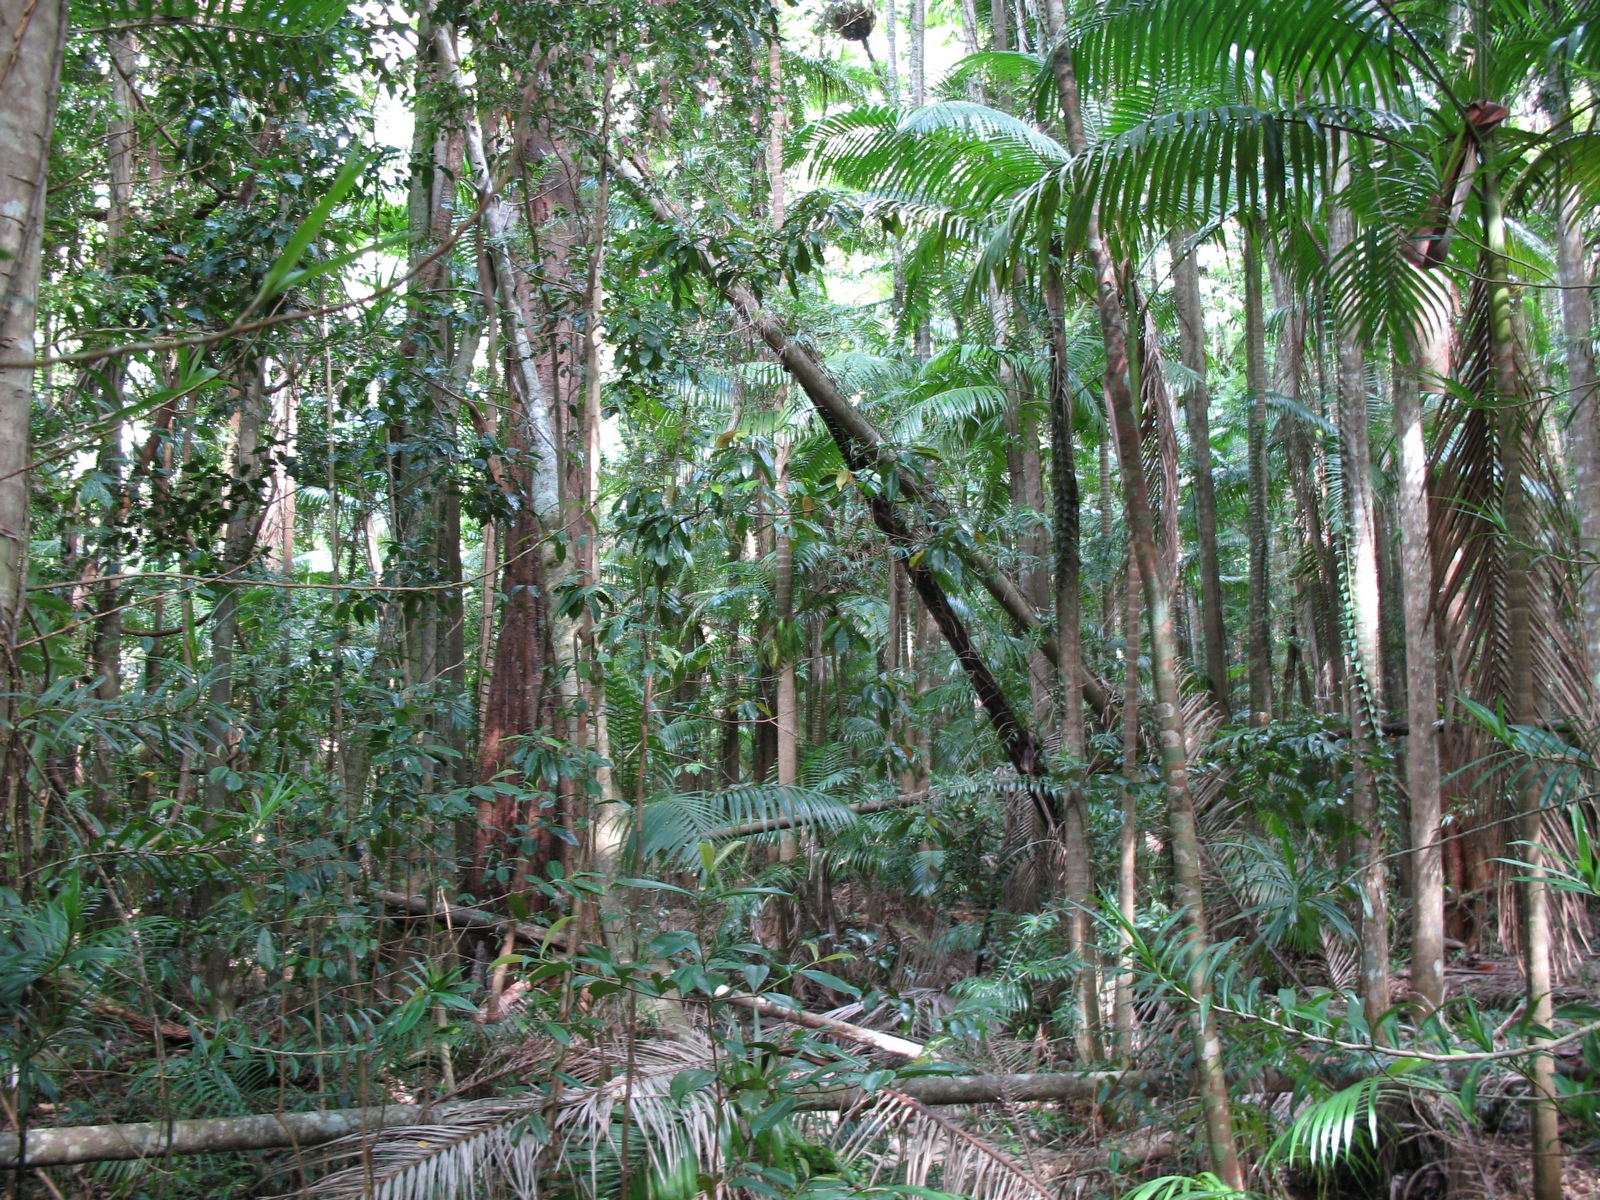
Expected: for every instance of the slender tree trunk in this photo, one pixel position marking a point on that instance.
(1212, 1081)
(919, 45)
(1516, 432)
(33, 32)
(1068, 528)
(239, 542)
(999, 40)
(1583, 406)
(1128, 838)
(783, 598)
(1422, 691)
(1322, 628)
(1364, 678)
(1069, 670)
(1255, 359)
(891, 33)
(1196, 401)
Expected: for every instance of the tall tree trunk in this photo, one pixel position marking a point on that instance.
(34, 32)
(891, 33)
(1068, 528)
(919, 47)
(1069, 670)
(1364, 676)
(1322, 630)
(1196, 402)
(239, 542)
(1212, 1082)
(516, 700)
(1422, 690)
(1128, 838)
(1583, 404)
(1515, 434)
(1255, 362)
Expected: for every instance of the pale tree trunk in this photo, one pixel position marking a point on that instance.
(1196, 402)
(239, 543)
(891, 32)
(919, 46)
(1211, 1079)
(605, 836)
(120, 152)
(788, 701)
(1255, 361)
(1583, 405)
(1516, 431)
(1422, 689)
(33, 31)
(997, 25)
(783, 599)
(1364, 676)
(1128, 838)
(1322, 628)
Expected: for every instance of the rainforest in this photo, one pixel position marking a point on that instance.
(805, 600)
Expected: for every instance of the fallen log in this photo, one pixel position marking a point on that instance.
(474, 918)
(217, 1135)
(77, 1144)
(941, 1090)
(862, 1036)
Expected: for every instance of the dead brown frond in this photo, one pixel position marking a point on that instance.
(1472, 555)
(933, 1150)
(476, 1150)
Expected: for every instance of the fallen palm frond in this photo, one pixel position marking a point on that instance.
(935, 1151)
(480, 1144)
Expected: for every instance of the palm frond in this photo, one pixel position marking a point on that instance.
(676, 824)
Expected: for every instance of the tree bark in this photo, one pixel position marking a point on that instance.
(1255, 358)
(1196, 402)
(918, 51)
(848, 426)
(34, 32)
(1583, 406)
(1068, 533)
(73, 1145)
(1422, 690)
(239, 542)
(864, 451)
(1515, 434)
(1128, 837)
(1212, 1082)
(1363, 679)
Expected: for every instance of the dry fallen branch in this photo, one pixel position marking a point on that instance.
(150, 1139)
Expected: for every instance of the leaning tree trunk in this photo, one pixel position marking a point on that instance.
(1196, 402)
(1255, 361)
(864, 451)
(1212, 1082)
(1363, 679)
(1516, 432)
